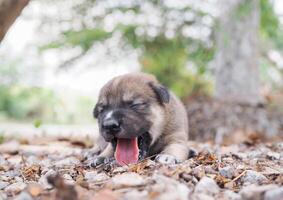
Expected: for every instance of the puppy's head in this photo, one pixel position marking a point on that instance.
(124, 107)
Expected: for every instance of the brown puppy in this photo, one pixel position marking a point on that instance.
(139, 117)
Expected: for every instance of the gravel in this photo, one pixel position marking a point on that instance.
(242, 173)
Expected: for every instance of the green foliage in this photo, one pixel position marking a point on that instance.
(2, 139)
(165, 64)
(130, 36)
(24, 103)
(37, 123)
(270, 28)
(269, 22)
(201, 57)
(162, 56)
(9, 72)
(83, 38)
(244, 9)
(271, 35)
(167, 58)
(39, 105)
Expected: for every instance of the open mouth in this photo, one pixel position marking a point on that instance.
(130, 150)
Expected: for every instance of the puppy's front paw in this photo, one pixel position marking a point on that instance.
(166, 159)
(100, 161)
(89, 154)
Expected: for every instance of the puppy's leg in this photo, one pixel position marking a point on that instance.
(99, 145)
(104, 157)
(108, 151)
(174, 152)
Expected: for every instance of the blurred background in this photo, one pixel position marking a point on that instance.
(222, 58)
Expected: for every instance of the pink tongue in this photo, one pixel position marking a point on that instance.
(127, 151)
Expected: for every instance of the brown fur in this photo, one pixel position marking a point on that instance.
(169, 125)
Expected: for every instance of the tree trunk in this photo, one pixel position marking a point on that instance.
(236, 62)
(9, 11)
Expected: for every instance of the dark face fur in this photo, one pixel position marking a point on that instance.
(123, 119)
(124, 107)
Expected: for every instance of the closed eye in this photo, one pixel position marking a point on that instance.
(138, 104)
(101, 108)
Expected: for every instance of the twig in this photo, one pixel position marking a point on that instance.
(69, 62)
(140, 161)
(24, 160)
(239, 176)
(126, 164)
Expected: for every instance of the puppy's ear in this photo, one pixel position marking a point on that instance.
(161, 92)
(95, 111)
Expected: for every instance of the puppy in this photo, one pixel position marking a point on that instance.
(138, 118)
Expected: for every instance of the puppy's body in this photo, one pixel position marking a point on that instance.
(137, 106)
(170, 129)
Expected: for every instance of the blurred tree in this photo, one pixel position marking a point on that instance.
(176, 39)
(271, 35)
(236, 61)
(165, 34)
(9, 11)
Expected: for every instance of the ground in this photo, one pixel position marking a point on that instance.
(45, 168)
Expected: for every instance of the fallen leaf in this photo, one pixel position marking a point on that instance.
(221, 180)
(31, 173)
(106, 195)
(141, 166)
(63, 191)
(34, 189)
(206, 158)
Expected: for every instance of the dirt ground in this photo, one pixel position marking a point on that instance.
(236, 153)
(59, 169)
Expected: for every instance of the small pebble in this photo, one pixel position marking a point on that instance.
(15, 188)
(227, 172)
(169, 189)
(253, 177)
(255, 192)
(43, 180)
(127, 180)
(24, 196)
(68, 179)
(70, 161)
(3, 185)
(93, 177)
(273, 155)
(228, 194)
(275, 194)
(207, 186)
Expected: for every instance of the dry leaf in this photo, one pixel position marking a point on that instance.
(31, 173)
(106, 195)
(34, 189)
(141, 166)
(221, 180)
(63, 191)
(206, 158)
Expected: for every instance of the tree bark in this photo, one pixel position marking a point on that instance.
(9, 11)
(236, 61)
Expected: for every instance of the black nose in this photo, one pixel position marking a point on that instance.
(112, 125)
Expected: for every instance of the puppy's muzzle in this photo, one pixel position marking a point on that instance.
(111, 125)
